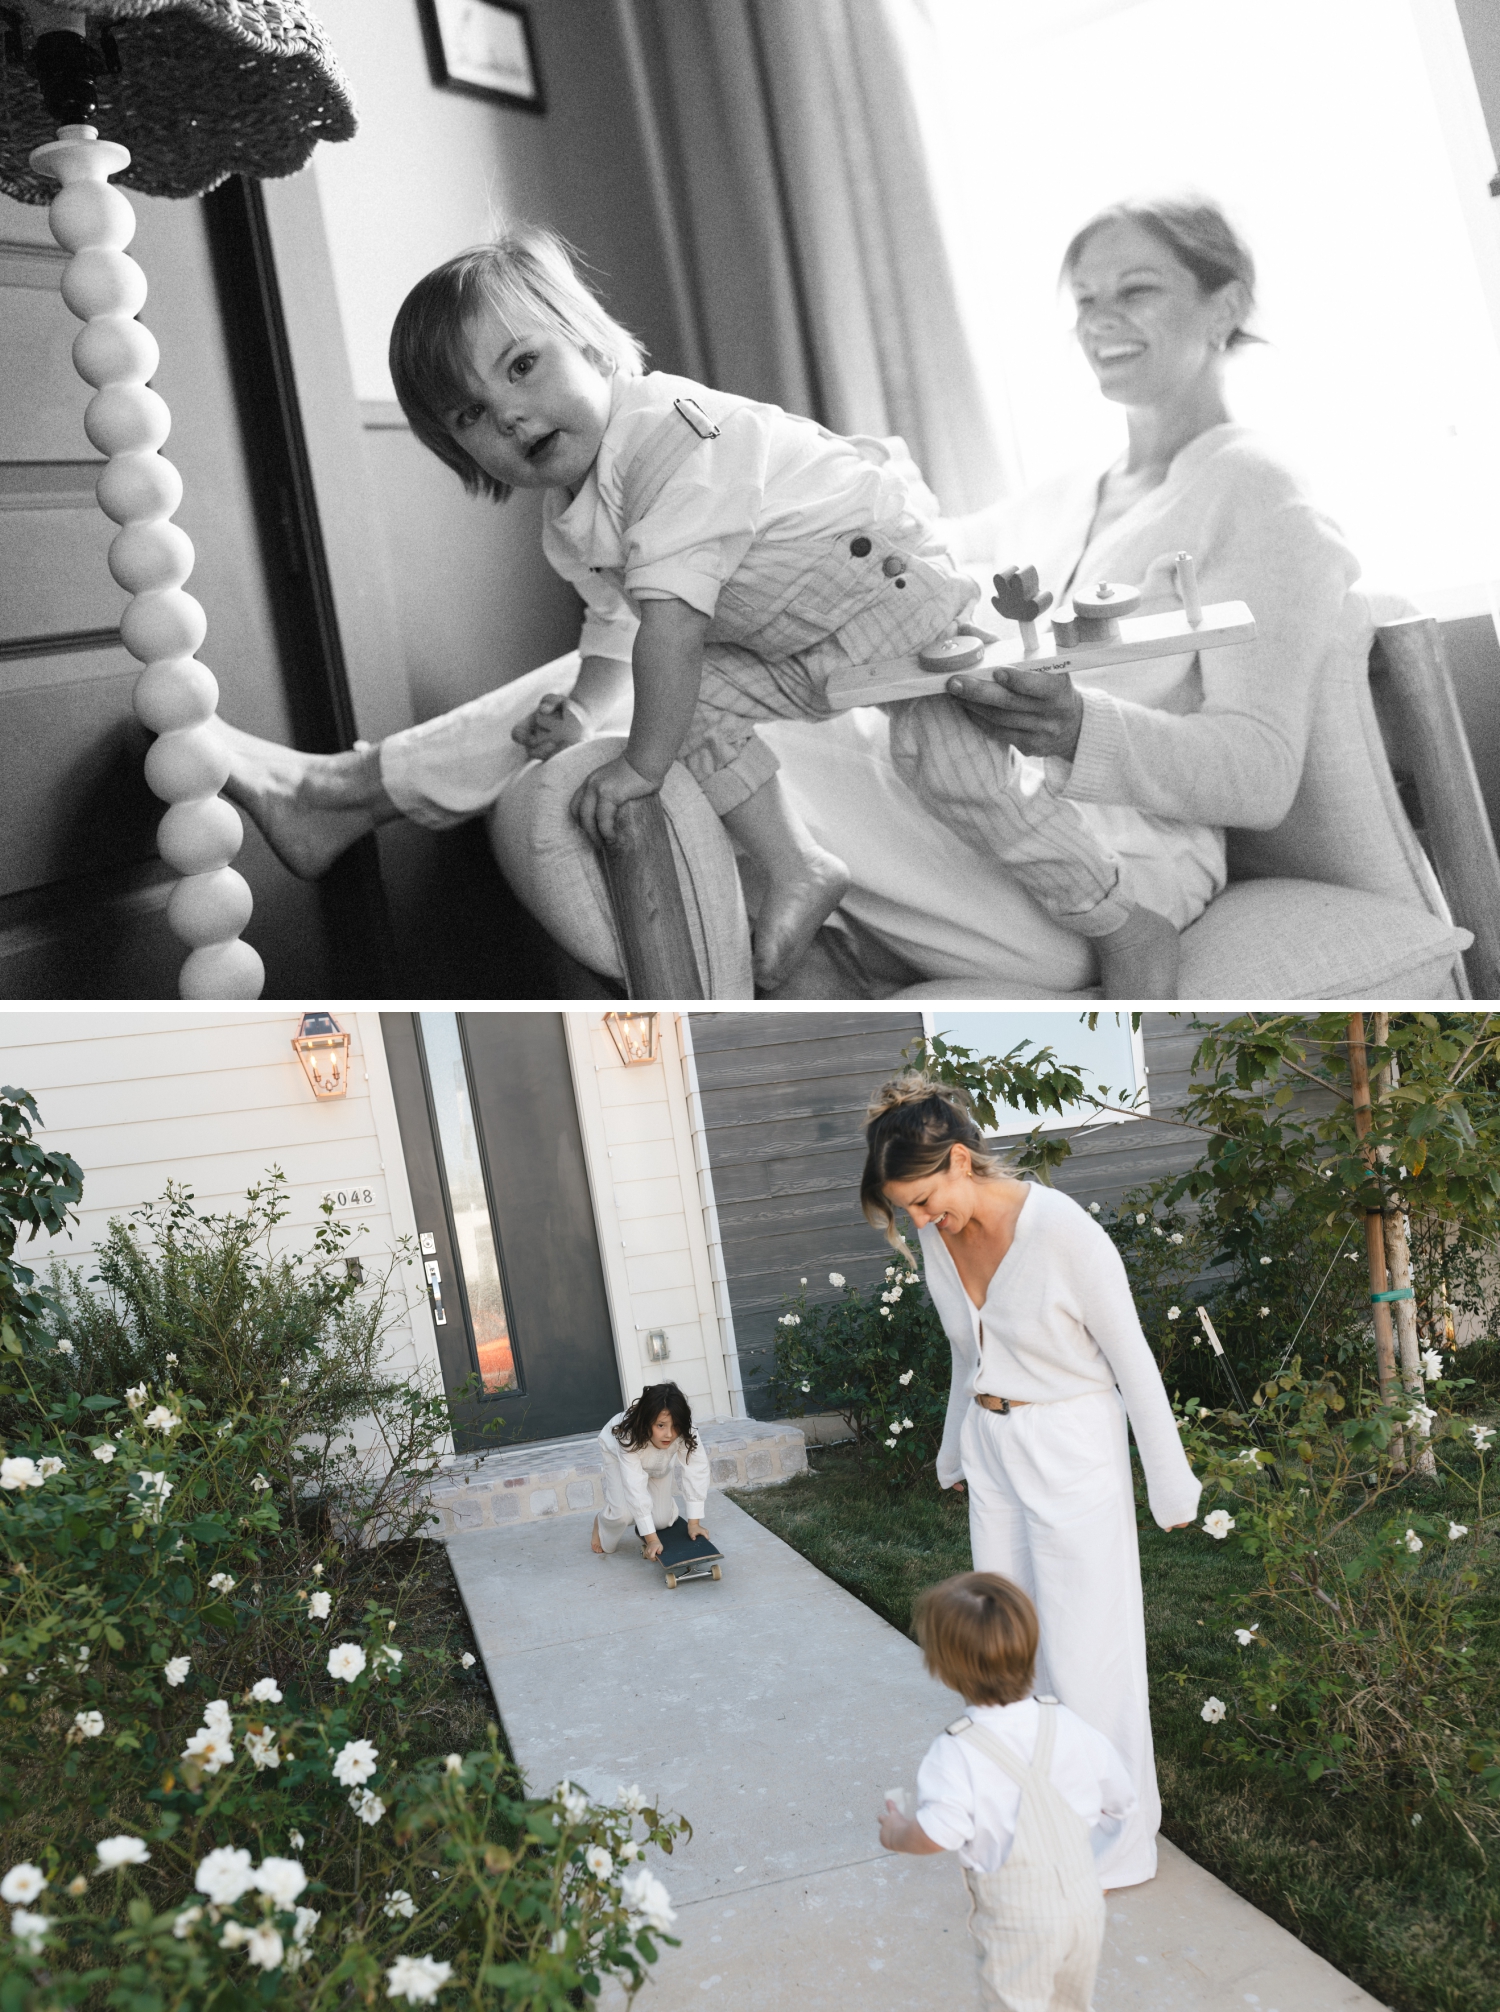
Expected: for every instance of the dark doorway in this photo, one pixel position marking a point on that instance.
(490, 1133)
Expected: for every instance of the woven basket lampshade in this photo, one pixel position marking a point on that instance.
(205, 89)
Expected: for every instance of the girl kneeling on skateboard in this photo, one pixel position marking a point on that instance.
(646, 1448)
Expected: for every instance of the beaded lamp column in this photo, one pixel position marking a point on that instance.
(151, 557)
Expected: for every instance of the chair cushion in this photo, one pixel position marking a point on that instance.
(1306, 939)
(555, 871)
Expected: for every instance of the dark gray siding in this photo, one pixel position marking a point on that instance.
(784, 1098)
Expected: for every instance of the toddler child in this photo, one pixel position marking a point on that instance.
(1015, 1786)
(649, 1450)
(730, 556)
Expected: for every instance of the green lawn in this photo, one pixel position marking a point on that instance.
(1413, 1914)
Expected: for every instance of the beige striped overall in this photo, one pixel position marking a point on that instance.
(1039, 1920)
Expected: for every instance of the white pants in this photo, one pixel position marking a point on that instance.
(1051, 1507)
(615, 1519)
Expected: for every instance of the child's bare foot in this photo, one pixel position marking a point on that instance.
(1139, 961)
(309, 808)
(594, 1544)
(794, 909)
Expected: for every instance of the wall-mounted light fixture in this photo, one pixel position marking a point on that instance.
(634, 1035)
(323, 1050)
(657, 1347)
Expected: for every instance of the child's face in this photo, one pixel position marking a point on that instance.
(663, 1431)
(537, 408)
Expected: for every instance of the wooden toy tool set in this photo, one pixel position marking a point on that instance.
(1101, 627)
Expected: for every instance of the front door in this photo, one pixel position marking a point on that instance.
(494, 1154)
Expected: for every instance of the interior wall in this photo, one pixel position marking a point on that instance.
(430, 172)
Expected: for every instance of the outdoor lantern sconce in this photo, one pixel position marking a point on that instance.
(323, 1050)
(201, 90)
(635, 1036)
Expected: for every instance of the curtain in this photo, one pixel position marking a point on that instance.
(800, 196)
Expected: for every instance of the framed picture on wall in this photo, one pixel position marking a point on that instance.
(483, 47)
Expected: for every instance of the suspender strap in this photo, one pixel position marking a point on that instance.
(1005, 1757)
(676, 437)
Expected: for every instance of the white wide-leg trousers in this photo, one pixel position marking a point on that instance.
(615, 1518)
(1052, 1508)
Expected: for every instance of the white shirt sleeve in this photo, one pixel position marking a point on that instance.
(697, 532)
(632, 1477)
(695, 1477)
(945, 1795)
(1108, 1311)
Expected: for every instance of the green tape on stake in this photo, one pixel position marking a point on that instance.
(1401, 1292)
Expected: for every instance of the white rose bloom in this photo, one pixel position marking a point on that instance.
(106, 1453)
(1176, 1237)
(266, 1691)
(557, 1941)
(296, 1840)
(399, 1903)
(1264, 1311)
(22, 1883)
(631, 1799)
(260, 1744)
(49, 1465)
(211, 1748)
(1265, 1260)
(136, 1395)
(176, 1670)
(260, 1484)
(1174, 1313)
(225, 1875)
(575, 1803)
(64, 1346)
(1481, 1436)
(1213, 1711)
(20, 1472)
(345, 1662)
(888, 1442)
(905, 1377)
(907, 1426)
(263, 1946)
(417, 1979)
(355, 1763)
(161, 1419)
(629, 1850)
(1432, 1364)
(1245, 1636)
(307, 1920)
(1457, 1530)
(281, 1880)
(388, 1652)
(598, 1861)
(223, 1582)
(454, 1764)
(1413, 1541)
(835, 1278)
(29, 1929)
(186, 1920)
(366, 1805)
(90, 1724)
(646, 1897)
(807, 1386)
(115, 1851)
(320, 1606)
(1093, 1208)
(1218, 1523)
(1140, 1219)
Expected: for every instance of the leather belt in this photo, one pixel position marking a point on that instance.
(1004, 1405)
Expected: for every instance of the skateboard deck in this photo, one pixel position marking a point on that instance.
(1164, 635)
(683, 1557)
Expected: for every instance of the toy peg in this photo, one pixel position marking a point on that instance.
(1097, 614)
(1187, 589)
(1017, 599)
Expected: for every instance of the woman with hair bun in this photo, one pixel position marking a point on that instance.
(1048, 1362)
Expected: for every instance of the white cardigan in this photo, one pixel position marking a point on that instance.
(637, 1468)
(1059, 1322)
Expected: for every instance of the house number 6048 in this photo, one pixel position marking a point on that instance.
(349, 1198)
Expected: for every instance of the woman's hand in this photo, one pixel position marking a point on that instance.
(599, 801)
(1039, 712)
(556, 724)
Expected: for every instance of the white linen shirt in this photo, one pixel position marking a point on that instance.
(1058, 1322)
(967, 1804)
(768, 478)
(637, 1468)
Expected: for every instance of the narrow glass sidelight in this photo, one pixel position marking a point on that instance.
(475, 1241)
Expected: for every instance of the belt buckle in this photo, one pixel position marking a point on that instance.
(1005, 1407)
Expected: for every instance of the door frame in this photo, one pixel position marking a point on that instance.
(487, 1424)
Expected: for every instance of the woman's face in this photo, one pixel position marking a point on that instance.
(945, 1200)
(663, 1431)
(1148, 330)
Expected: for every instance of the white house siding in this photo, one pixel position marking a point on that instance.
(637, 1134)
(214, 1101)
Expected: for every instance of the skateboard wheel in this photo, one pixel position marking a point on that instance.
(953, 653)
(672, 1579)
(716, 1573)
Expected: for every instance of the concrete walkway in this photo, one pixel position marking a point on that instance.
(774, 1710)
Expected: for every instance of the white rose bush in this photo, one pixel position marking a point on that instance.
(216, 1696)
(879, 1357)
(1360, 1623)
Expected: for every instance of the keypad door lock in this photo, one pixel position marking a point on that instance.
(435, 1290)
